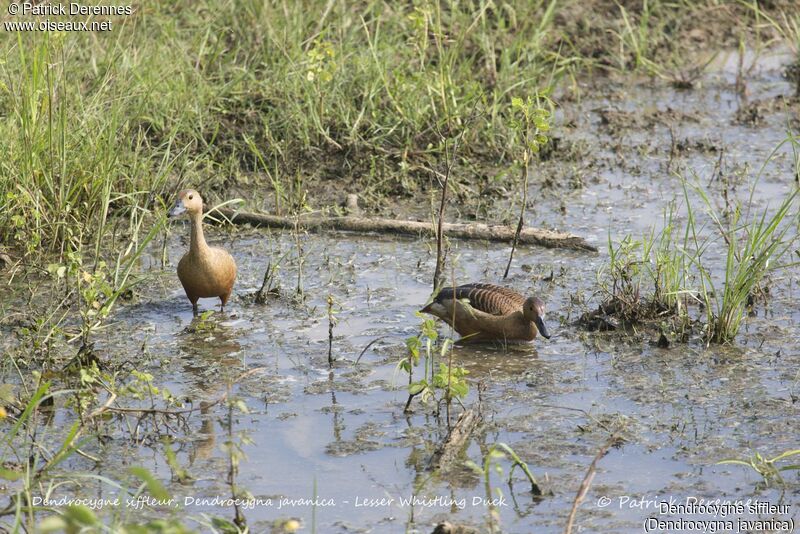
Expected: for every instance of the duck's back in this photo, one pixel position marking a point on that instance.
(488, 298)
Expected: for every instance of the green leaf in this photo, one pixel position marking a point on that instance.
(417, 387)
(80, 515)
(154, 485)
(9, 474)
(224, 525)
(54, 523)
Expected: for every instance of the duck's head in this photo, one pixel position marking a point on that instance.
(533, 310)
(189, 201)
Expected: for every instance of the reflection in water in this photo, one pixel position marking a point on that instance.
(496, 361)
(208, 349)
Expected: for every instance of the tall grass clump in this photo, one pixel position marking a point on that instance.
(101, 125)
(723, 265)
(647, 278)
(69, 163)
(273, 96)
(753, 249)
(372, 91)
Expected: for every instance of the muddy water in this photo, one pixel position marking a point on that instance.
(343, 431)
(340, 434)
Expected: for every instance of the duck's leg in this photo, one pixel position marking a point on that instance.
(194, 306)
(223, 301)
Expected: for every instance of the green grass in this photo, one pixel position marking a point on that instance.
(720, 260)
(281, 97)
(647, 279)
(754, 246)
(770, 469)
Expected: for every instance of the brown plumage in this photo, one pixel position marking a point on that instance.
(487, 312)
(204, 271)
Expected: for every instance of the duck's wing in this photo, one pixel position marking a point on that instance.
(488, 298)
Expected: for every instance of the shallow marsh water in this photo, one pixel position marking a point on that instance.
(341, 434)
(344, 432)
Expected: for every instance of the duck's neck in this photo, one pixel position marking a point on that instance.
(198, 242)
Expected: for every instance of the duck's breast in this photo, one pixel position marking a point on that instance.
(207, 275)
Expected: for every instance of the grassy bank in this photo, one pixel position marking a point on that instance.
(298, 100)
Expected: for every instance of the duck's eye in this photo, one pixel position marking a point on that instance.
(190, 197)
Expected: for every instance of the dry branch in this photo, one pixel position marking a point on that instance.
(587, 482)
(530, 236)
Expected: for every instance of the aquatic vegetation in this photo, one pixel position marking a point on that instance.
(447, 381)
(768, 468)
(33, 480)
(332, 311)
(754, 249)
(94, 400)
(681, 270)
(647, 279)
(530, 121)
(493, 460)
(234, 448)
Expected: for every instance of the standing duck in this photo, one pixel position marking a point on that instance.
(204, 271)
(487, 312)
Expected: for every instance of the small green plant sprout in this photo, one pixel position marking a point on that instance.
(530, 123)
(451, 383)
(428, 334)
(233, 447)
(93, 288)
(141, 387)
(451, 380)
(493, 462)
(530, 119)
(204, 322)
(448, 379)
(767, 467)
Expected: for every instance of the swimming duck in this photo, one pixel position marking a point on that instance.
(487, 312)
(204, 271)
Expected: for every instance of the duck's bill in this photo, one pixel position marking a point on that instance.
(177, 209)
(542, 328)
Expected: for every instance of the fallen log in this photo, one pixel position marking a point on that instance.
(531, 236)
